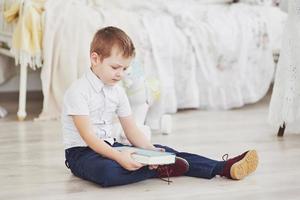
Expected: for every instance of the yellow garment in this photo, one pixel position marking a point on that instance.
(12, 13)
(28, 32)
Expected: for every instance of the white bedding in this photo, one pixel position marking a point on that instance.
(205, 56)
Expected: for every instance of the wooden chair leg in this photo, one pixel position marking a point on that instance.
(281, 130)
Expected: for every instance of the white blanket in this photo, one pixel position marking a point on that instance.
(205, 56)
(285, 101)
(69, 28)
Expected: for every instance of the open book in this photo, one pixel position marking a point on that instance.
(149, 157)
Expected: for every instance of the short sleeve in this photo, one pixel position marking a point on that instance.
(75, 103)
(124, 108)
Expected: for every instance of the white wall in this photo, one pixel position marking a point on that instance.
(33, 83)
(10, 77)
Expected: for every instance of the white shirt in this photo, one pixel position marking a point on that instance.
(89, 96)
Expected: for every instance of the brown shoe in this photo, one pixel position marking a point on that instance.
(240, 166)
(179, 168)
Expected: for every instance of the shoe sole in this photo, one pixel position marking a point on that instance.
(245, 166)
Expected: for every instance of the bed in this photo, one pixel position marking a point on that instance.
(204, 55)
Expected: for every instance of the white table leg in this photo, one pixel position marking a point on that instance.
(22, 93)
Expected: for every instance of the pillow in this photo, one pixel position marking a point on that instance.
(213, 1)
(128, 5)
(152, 4)
(260, 2)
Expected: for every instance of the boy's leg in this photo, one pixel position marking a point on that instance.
(89, 165)
(234, 168)
(199, 166)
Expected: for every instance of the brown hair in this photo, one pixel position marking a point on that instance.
(106, 38)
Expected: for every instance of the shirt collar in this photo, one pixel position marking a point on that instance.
(96, 82)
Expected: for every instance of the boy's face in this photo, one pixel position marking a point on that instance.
(111, 69)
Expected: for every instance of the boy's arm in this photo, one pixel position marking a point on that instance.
(84, 127)
(133, 133)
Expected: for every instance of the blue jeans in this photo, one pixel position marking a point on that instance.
(91, 166)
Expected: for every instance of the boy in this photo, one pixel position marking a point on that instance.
(89, 106)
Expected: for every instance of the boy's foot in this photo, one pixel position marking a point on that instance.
(180, 167)
(240, 166)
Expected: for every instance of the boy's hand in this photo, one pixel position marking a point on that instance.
(159, 149)
(151, 167)
(127, 162)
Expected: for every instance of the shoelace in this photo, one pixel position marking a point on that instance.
(225, 157)
(165, 170)
(67, 164)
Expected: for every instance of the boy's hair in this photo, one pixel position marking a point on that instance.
(106, 38)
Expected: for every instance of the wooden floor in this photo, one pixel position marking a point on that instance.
(32, 159)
